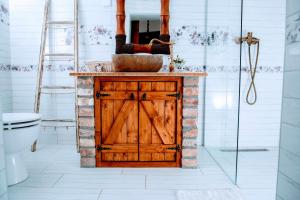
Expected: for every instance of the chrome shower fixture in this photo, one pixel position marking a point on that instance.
(249, 39)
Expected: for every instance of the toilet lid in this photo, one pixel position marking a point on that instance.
(9, 118)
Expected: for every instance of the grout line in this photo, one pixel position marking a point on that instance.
(100, 193)
(146, 182)
(57, 180)
(122, 171)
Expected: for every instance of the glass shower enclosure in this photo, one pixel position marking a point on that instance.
(222, 86)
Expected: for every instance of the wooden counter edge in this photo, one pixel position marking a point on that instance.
(139, 74)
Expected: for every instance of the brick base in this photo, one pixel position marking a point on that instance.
(86, 123)
(189, 122)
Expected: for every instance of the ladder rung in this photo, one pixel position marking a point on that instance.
(58, 120)
(58, 87)
(58, 123)
(59, 54)
(57, 90)
(61, 23)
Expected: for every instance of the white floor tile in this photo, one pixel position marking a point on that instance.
(101, 181)
(55, 174)
(41, 181)
(138, 195)
(17, 193)
(188, 182)
(162, 171)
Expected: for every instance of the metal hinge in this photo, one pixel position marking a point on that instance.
(100, 148)
(98, 95)
(177, 95)
(177, 148)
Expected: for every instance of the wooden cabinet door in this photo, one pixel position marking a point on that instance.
(138, 122)
(159, 127)
(119, 121)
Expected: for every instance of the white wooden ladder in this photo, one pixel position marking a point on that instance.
(42, 89)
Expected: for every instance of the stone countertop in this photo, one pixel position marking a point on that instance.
(139, 74)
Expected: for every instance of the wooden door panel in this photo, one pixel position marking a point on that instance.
(119, 131)
(122, 95)
(158, 105)
(155, 96)
(120, 117)
(155, 123)
(158, 121)
(170, 124)
(145, 128)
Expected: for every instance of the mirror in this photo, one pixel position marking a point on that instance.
(143, 28)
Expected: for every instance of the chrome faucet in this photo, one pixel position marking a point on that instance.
(171, 44)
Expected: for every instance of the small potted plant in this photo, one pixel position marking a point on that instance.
(179, 63)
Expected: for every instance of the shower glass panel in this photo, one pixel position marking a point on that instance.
(223, 57)
(260, 122)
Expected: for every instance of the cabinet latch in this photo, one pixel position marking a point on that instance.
(100, 148)
(98, 95)
(177, 148)
(177, 95)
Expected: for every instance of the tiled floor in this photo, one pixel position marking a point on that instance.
(55, 175)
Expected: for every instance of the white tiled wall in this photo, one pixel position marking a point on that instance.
(289, 160)
(3, 185)
(5, 76)
(259, 124)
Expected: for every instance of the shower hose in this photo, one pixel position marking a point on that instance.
(252, 76)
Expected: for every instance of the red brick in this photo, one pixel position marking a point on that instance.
(189, 163)
(190, 112)
(87, 142)
(190, 91)
(87, 122)
(190, 122)
(85, 82)
(189, 143)
(86, 112)
(85, 92)
(87, 152)
(88, 162)
(189, 152)
(82, 101)
(86, 133)
(192, 81)
(190, 102)
(190, 133)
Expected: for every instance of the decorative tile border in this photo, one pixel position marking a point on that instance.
(232, 69)
(4, 14)
(210, 69)
(98, 35)
(95, 35)
(197, 37)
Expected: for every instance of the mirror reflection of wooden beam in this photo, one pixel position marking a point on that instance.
(122, 47)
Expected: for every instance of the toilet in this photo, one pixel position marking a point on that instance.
(20, 132)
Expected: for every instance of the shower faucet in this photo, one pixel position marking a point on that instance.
(249, 39)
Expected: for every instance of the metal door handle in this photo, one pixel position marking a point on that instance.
(144, 97)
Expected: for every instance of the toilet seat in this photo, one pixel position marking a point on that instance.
(20, 120)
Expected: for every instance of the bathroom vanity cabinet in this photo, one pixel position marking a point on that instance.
(138, 119)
